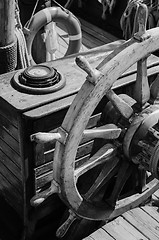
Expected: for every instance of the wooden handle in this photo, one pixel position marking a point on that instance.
(142, 35)
(42, 196)
(121, 106)
(103, 155)
(93, 74)
(141, 88)
(105, 132)
(45, 137)
(84, 65)
(62, 230)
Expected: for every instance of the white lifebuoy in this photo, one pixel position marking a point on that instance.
(58, 15)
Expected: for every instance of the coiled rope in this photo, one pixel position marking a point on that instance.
(8, 59)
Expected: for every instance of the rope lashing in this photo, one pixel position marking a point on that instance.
(8, 59)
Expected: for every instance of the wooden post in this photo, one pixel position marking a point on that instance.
(7, 22)
(8, 46)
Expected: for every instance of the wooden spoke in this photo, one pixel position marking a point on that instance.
(94, 76)
(42, 196)
(41, 137)
(61, 231)
(122, 107)
(108, 171)
(104, 154)
(109, 131)
(124, 172)
(141, 89)
(135, 200)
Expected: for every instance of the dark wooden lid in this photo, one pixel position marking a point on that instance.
(74, 76)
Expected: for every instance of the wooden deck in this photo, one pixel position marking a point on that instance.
(141, 223)
(92, 37)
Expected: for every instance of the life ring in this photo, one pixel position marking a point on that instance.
(58, 15)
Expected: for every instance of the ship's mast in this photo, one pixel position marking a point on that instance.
(7, 36)
(7, 22)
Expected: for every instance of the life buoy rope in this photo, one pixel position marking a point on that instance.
(55, 14)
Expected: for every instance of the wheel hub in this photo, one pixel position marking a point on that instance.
(141, 140)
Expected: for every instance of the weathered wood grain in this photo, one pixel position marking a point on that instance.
(7, 9)
(120, 229)
(101, 234)
(143, 222)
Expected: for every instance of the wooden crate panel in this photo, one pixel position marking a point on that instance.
(9, 127)
(10, 153)
(11, 178)
(44, 154)
(11, 194)
(7, 138)
(82, 150)
(43, 180)
(49, 122)
(10, 165)
(8, 112)
(44, 173)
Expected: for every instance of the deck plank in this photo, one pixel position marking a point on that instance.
(100, 34)
(156, 194)
(101, 234)
(143, 222)
(136, 224)
(152, 211)
(120, 229)
(92, 37)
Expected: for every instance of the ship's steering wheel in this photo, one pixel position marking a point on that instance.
(140, 123)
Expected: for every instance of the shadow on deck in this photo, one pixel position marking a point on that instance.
(141, 223)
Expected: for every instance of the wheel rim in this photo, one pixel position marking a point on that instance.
(77, 117)
(98, 83)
